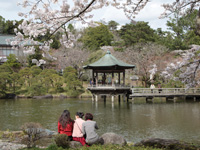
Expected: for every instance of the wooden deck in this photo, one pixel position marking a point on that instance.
(149, 94)
(165, 92)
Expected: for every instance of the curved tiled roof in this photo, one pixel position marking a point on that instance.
(109, 61)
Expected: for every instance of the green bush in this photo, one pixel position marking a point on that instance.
(62, 141)
(85, 77)
(36, 89)
(119, 49)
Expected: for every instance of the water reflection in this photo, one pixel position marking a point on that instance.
(135, 121)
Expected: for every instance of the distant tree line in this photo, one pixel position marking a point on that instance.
(31, 81)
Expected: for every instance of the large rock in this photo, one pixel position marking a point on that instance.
(48, 133)
(10, 96)
(112, 138)
(43, 97)
(169, 144)
(62, 96)
(75, 144)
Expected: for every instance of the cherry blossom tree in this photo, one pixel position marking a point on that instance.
(53, 16)
(180, 6)
(187, 69)
(71, 57)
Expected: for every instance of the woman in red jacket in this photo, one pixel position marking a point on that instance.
(65, 124)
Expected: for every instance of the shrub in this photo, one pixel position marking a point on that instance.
(33, 132)
(36, 89)
(62, 141)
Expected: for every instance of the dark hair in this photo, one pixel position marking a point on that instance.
(65, 118)
(80, 114)
(88, 116)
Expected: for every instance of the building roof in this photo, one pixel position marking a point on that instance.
(109, 61)
(3, 39)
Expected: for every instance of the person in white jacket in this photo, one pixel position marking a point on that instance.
(152, 87)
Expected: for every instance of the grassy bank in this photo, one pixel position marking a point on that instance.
(96, 147)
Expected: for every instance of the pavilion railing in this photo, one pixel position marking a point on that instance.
(109, 85)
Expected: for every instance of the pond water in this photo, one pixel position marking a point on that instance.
(135, 121)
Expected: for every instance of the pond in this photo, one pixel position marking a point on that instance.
(135, 121)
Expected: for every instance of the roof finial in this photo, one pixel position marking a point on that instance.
(108, 52)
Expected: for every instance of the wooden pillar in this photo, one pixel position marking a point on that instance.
(113, 98)
(104, 98)
(112, 78)
(119, 98)
(124, 77)
(92, 74)
(92, 77)
(96, 78)
(104, 78)
(96, 97)
(93, 97)
(119, 77)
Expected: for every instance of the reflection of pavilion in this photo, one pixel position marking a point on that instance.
(107, 84)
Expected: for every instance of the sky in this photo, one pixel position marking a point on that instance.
(9, 10)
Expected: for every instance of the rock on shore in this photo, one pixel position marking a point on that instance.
(170, 144)
(10, 146)
(113, 138)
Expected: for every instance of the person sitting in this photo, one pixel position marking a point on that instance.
(77, 130)
(65, 124)
(88, 128)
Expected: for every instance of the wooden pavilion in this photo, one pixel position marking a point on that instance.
(108, 77)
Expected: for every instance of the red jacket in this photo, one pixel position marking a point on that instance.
(67, 130)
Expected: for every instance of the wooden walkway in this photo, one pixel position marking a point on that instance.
(169, 93)
(149, 94)
(164, 92)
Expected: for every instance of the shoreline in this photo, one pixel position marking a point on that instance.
(48, 96)
(13, 140)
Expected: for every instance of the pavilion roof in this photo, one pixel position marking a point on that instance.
(109, 61)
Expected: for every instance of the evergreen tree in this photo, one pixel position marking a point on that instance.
(137, 33)
(94, 38)
(12, 62)
(73, 84)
